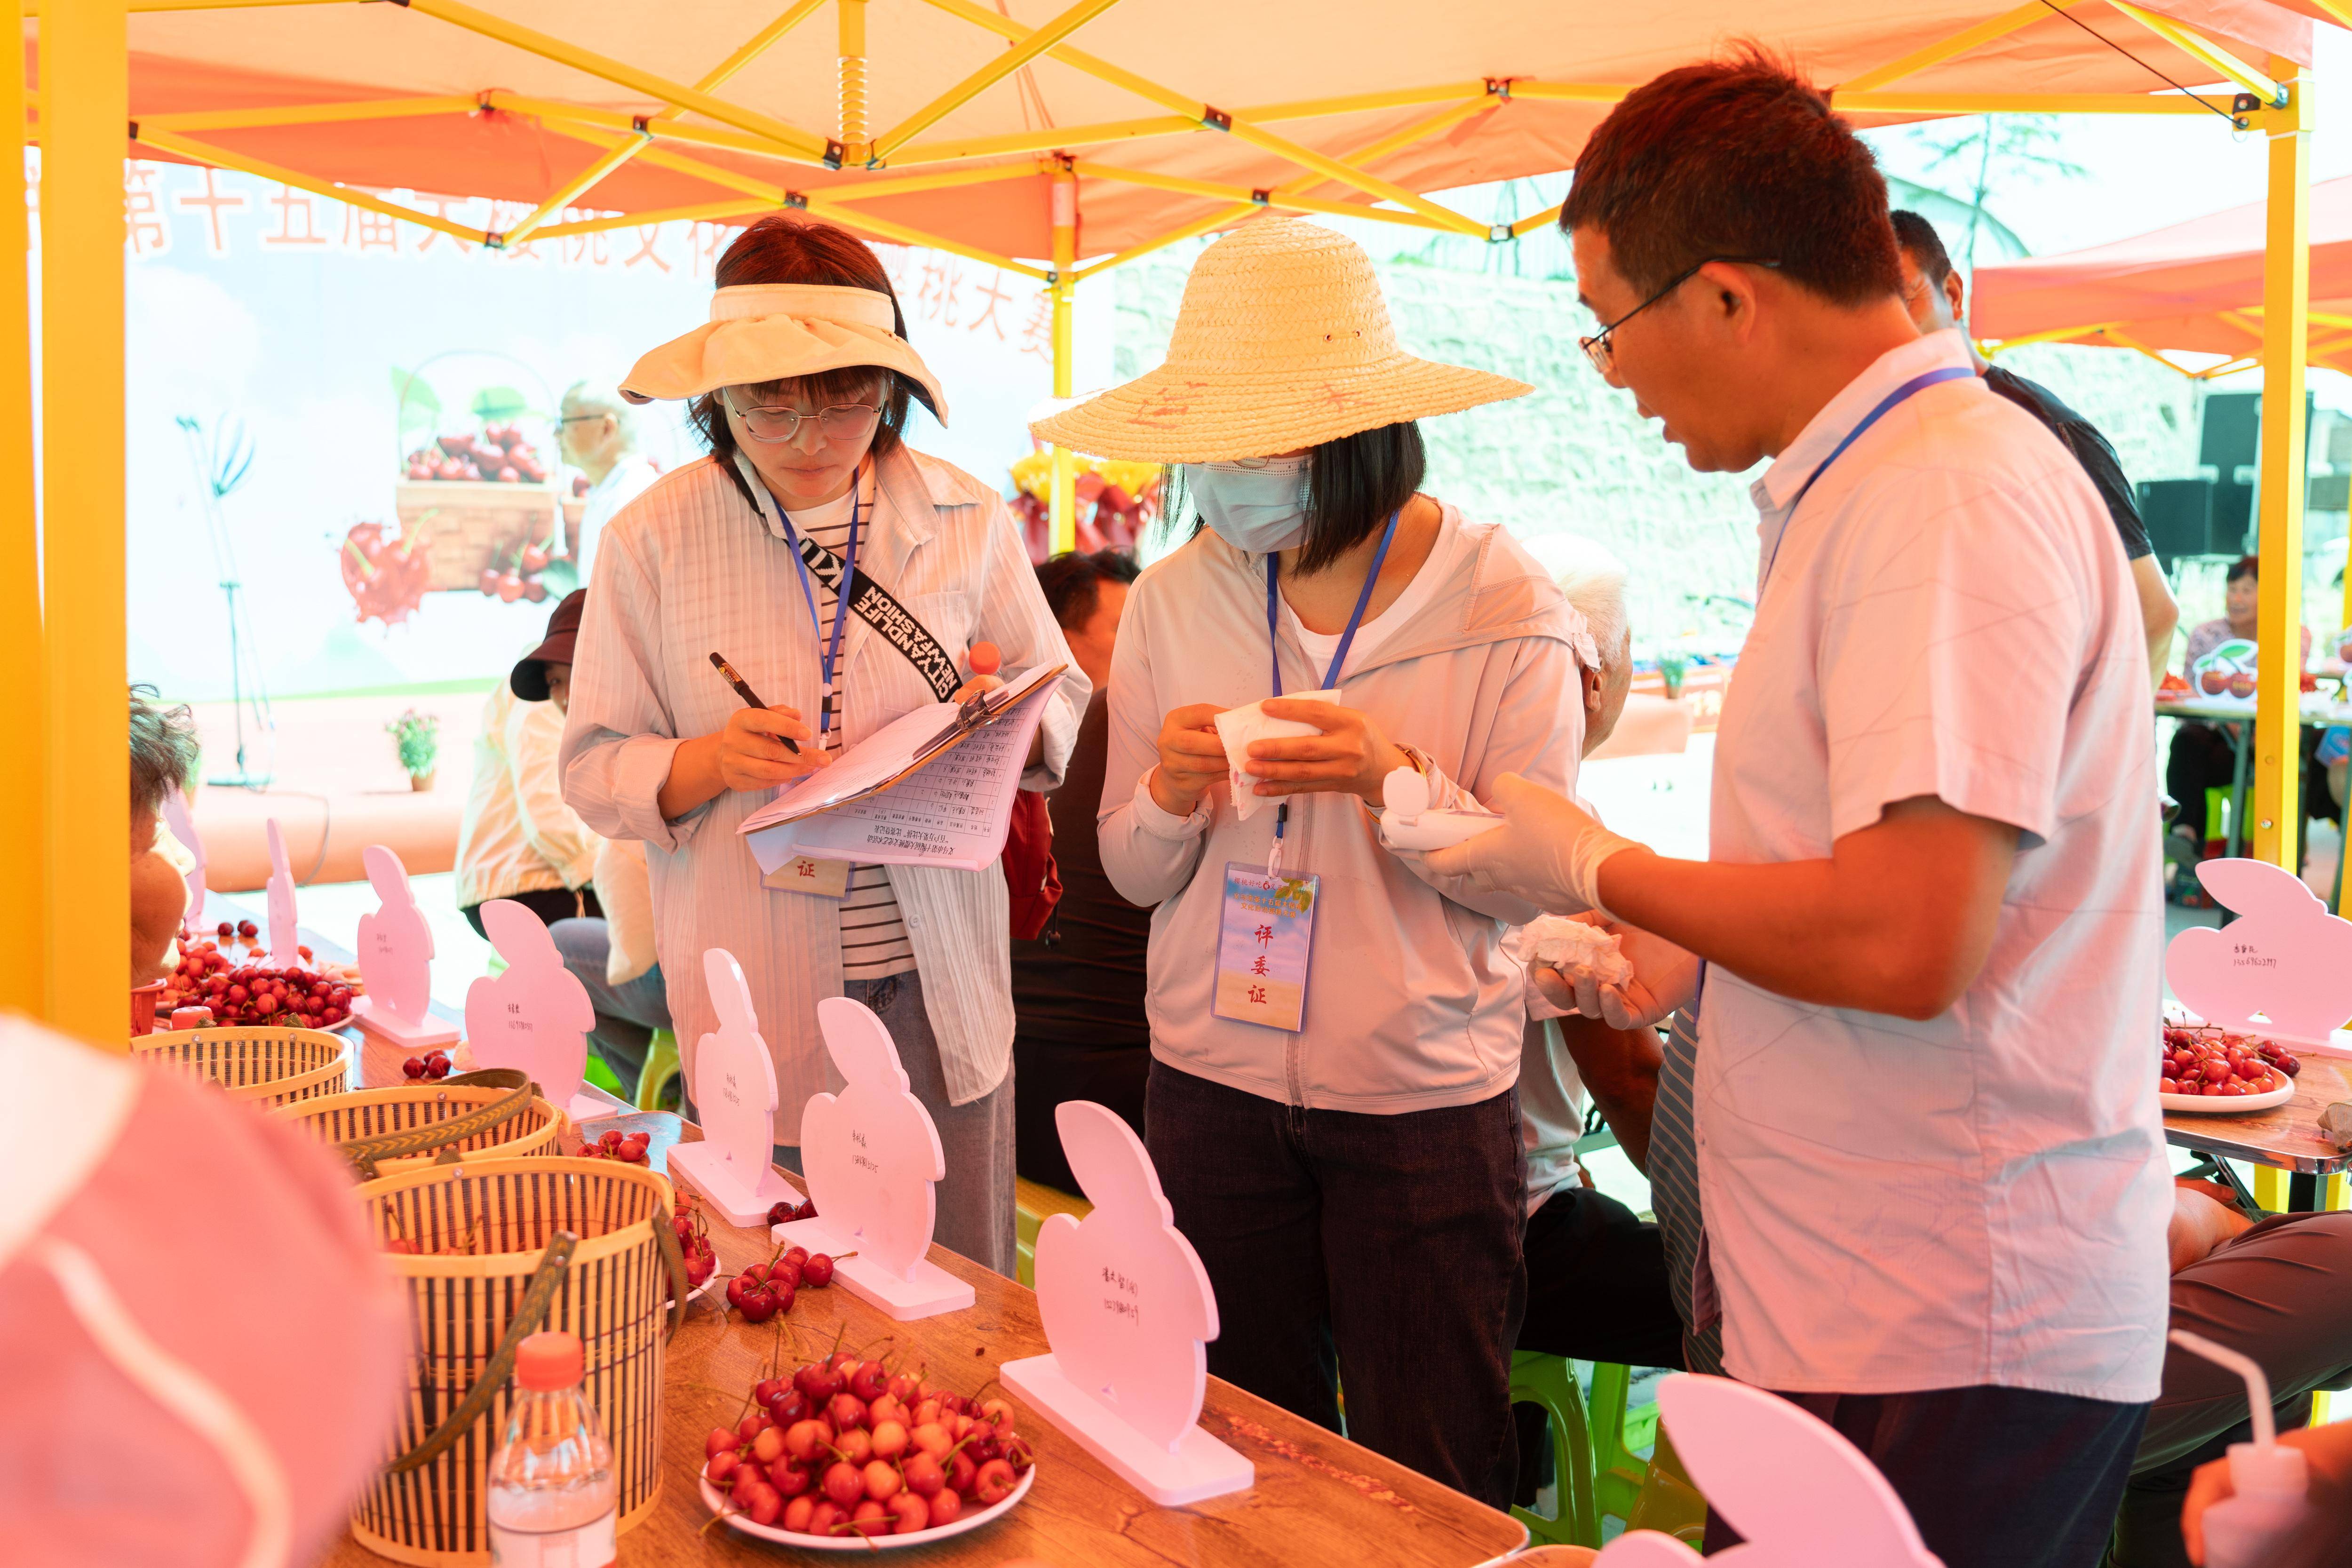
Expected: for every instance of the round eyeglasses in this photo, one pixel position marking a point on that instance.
(843, 422)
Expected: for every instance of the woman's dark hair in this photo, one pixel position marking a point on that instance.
(162, 749)
(1073, 582)
(779, 249)
(1353, 484)
(2245, 566)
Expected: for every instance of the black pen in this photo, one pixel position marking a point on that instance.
(743, 689)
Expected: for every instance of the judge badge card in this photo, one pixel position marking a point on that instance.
(1263, 942)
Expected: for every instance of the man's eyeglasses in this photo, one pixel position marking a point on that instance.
(1601, 348)
(843, 422)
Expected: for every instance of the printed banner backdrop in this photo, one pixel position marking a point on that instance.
(291, 356)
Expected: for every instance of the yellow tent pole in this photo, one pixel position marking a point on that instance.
(86, 892)
(850, 35)
(998, 68)
(2013, 103)
(1959, 44)
(23, 855)
(560, 113)
(1062, 510)
(199, 120)
(1052, 139)
(1534, 221)
(2204, 51)
(1199, 225)
(2278, 806)
(709, 212)
(572, 190)
(222, 158)
(1278, 197)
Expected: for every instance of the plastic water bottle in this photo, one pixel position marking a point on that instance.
(553, 1501)
(2268, 1482)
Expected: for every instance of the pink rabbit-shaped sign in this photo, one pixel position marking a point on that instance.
(1800, 1494)
(184, 828)
(1129, 1312)
(536, 1016)
(735, 1095)
(284, 940)
(2282, 969)
(395, 957)
(871, 1156)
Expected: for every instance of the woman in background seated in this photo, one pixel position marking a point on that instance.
(2202, 758)
(1078, 1028)
(518, 841)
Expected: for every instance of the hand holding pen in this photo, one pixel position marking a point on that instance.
(761, 746)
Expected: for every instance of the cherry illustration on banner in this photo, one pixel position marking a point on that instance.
(535, 1016)
(284, 940)
(1795, 1489)
(2282, 969)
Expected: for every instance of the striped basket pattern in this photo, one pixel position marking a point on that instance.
(423, 1121)
(553, 1243)
(267, 1066)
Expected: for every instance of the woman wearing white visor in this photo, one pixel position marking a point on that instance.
(1335, 1045)
(845, 577)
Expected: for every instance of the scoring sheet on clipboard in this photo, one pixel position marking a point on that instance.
(914, 793)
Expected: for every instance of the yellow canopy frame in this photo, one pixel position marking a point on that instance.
(65, 861)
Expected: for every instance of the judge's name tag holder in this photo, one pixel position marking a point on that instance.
(871, 1158)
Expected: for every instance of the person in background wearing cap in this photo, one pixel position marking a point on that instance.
(846, 578)
(518, 841)
(1323, 1103)
(1927, 1142)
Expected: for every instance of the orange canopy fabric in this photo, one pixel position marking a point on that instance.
(2195, 286)
(1126, 92)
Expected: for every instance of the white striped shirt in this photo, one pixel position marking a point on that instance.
(690, 568)
(873, 930)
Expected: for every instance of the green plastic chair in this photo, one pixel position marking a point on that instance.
(661, 1066)
(1548, 1382)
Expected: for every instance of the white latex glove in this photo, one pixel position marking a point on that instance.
(1547, 851)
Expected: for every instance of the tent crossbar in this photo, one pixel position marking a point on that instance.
(622, 74)
(712, 136)
(1421, 129)
(1063, 139)
(1242, 196)
(1534, 221)
(1960, 43)
(2205, 52)
(1176, 236)
(222, 158)
(707, 212)
(946, 179)
(1023, 51)
(2050, 335)
(569, 192)
(1935, 103)
(310, 113)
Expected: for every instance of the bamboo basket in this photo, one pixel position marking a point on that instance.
(269, 1066)
(560, 1243)
(495, 1114)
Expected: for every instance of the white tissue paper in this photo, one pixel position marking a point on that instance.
(1238, 726)
(1576, 949)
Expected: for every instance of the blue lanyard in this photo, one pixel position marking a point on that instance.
(1338, 655)
(831, 650)
(1918, 383)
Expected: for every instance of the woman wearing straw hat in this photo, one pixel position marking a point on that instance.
(1334, 1041)
(844, 577)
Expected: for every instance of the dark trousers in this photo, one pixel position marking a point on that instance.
(1994, 1477)
(1380, 1253)
(2202, 759)
(550, 904)
(1052, 1071)
(2282, 1293)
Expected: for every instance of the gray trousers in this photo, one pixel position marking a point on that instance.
(975, 1200)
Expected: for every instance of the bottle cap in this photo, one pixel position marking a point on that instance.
(546, 1362)
(2268, 1468)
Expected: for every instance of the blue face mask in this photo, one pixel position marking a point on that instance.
(1257, 506)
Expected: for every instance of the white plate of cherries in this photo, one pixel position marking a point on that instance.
(2208, 1070)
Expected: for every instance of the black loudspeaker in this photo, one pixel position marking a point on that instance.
(2179, 517)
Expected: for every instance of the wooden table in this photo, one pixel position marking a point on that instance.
(1317, 1498)
(2285, 1137)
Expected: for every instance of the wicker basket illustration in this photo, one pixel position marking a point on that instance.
(267, 1066)
(543, 1242)
(494, 1114)
(467, 526)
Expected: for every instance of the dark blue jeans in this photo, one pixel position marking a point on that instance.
(1380, 1253)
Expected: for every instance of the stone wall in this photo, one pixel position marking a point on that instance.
(1574, 457)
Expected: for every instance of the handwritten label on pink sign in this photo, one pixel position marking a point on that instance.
(2282, 969)
(871, 1152)
(536, 1016)
(284, 940)
(1796, 1490)
(1127, 1305)
(735, 1095)
(395, 946)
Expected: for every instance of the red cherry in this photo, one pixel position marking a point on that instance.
(780, 1213)
(247, 930)
(870, 1382)
(817, 1272)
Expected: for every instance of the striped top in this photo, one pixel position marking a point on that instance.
(1673, 1195)
(873, 930)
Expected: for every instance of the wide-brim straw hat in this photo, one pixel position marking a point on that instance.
(773, 331)
(1282, 342)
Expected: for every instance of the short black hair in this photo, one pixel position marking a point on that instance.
(2244, 567)
(1739, 157)
(1919, 241)
(1354, 485)
(1073, 582)
(162, 749)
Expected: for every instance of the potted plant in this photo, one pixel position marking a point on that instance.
(417, 737)
(1672, 663)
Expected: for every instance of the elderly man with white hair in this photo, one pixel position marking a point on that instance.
(597, 434)
(1597, 1285)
